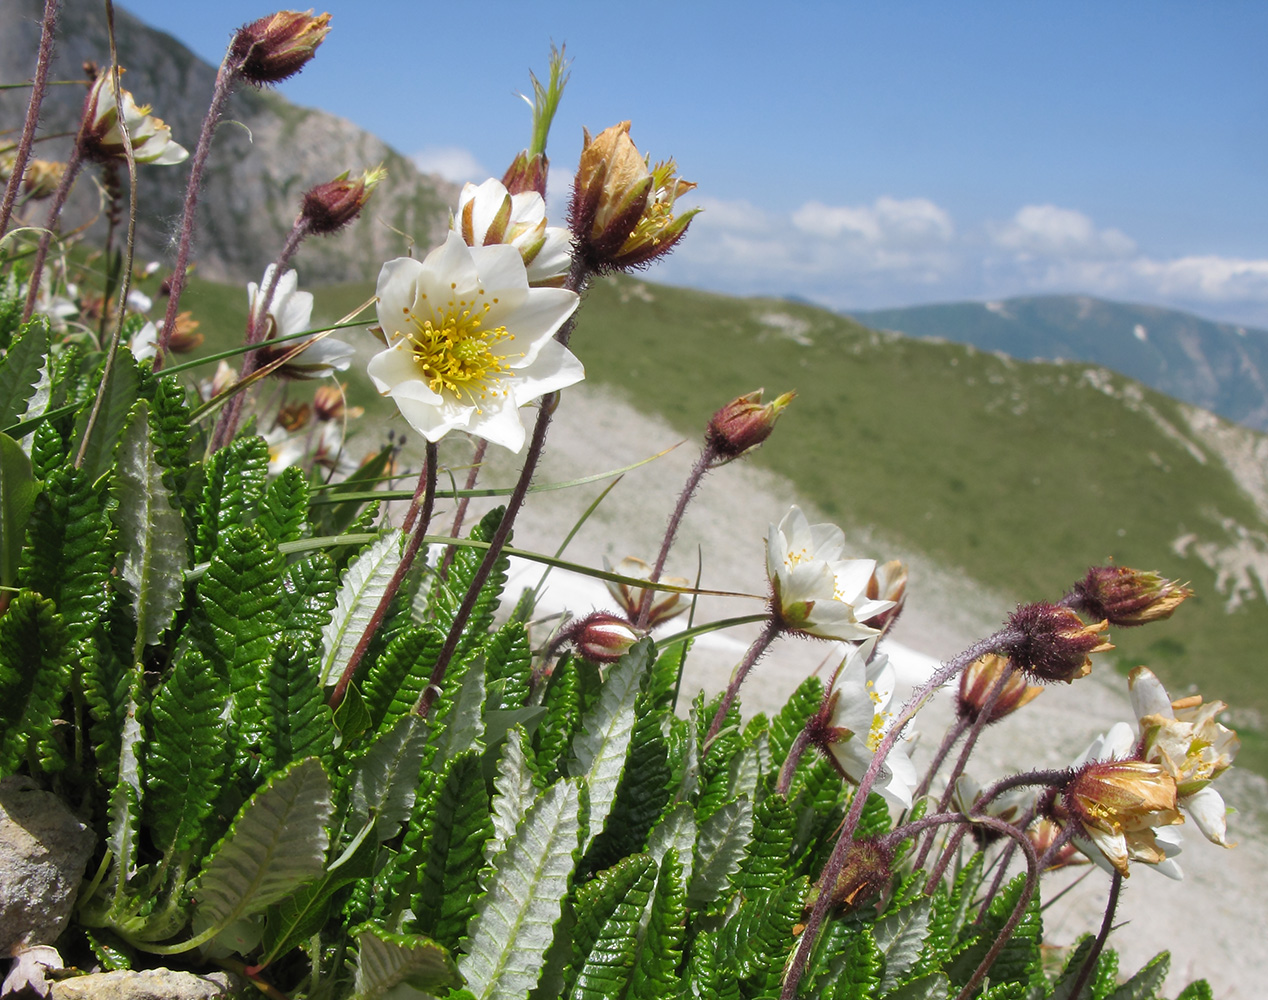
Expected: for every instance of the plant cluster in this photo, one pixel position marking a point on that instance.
(318, 748)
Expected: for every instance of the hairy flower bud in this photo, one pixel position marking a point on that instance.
(1124, 596)
(978, 681)
(331, 206)
(602, 637)
(526, 173)
(866, 871)
(743, 424)
(276, 47)
(1052, 643)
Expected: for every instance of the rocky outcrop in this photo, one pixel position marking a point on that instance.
(266, 153)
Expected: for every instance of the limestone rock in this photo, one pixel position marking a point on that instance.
(152, 984)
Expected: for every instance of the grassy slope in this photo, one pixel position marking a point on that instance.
(1020, 474)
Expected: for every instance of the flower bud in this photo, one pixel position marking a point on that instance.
(888, 583)
(1124, 596)
(1052, 643)
(866, 871)
(665, 604)
(743, 424)
(978, 681)
(331, 206)
(602, 637)
(526, 173)
(330, 402)
(622, 211)
(294, 416)
(276, 47)
(185, 337)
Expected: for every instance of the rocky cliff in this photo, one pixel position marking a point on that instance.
(266, 153)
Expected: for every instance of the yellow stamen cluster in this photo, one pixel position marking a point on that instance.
(455, 350)
(876, 731)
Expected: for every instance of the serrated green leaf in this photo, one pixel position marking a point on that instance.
(1144, 985)
(600, 746)
(767, 859)
(283, 512)
(307, 598)
(363, 586)
(508, 667)
(660, 953)
(861, 971)
(900, 937)
(446, 599)
(562, 702)
(609, 915)
(276, 843)
(118, 397)
(397, 677)
(1199, 989)
(296, 720)
(17, 498)
(233, 483)
(34, 673)
(125, 799)
(458, 722)
(513, 793)
(724, 837)
(170, 430)
(1019, 961)
(187, 752)
(152, 554)
(20, 370)
(933, 987)
(386, 779)
(756, 940)
(514, 923)
(385, 960)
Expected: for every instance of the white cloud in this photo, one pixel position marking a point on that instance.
(906, 222)
(1050, 231)
(452, 163)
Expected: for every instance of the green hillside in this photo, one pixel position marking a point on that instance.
(1020, 474)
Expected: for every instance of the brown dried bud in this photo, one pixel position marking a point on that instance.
(1124, 596)
(331, 206)
(1052, 643)
(42, 177)
(276, 47)
(294, 416)
(743, 424)
(867, 870)
(185, 337)
(978, 681)
(527, 173)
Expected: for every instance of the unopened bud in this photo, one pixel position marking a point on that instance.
(1124, 596)
(978, 681)
(527, 173)
(331, 206)
(866, 871)
(602, 637)
(1052, 643)
(276, 47)
(743, 424)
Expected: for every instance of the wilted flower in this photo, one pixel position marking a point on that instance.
(978, 680)
(273, 48)
(622, 212)
(42, 177)
(816, 591)
(1052, 643)
(469, 342)
(665, 604)
(489, 214)
(1125, 596)
(102, 139)
(743, 424)
(290, 311)
(1184, 738)
(330, 402)
(854, 720)
(867, 870)
(329, 207)
(185, 337)
(602, 637)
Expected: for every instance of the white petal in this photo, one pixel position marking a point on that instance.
(555, 257)
(852, 577)
(539, 316)
(1207, 810)
(1148, 695)
(499, 423)
(397, 292)
(555, 367)
(394, 373)
(1119, 742)
(449, 272)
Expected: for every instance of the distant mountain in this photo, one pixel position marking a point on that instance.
(1218, 366)
(265, 154)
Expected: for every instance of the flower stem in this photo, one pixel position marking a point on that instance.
(226, 76)
(795, 753)
(73, 163)
(698, 471)
(770, 630)
(953, 735)
(427, 476)
(460, 514)
(832, 870)
(39, 86)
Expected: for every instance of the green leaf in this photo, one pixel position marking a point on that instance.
(385, 960)
(767, 859)
(756, 940)
(233, 483)
(296, 720)
(34, 673)
(1144, 985)
(862, 970)
(458, 724)
(395, 680)
(934, 987)
(656, 973)
(676, 831)
(170, 429)
(17, 498)
(334, 519)
(20, 370)
(386, 780)
(900, 937)
(187, 753)
(514, 923)
(125, 799)
(1198, 990)
(1019, 962)
(284, 510)
(609, 913)
(112, 416)
(508, 667)
(724, 837)
(790, 721)
(562, 702)
(308, 595)
(513, 793)
(598, 751)
(460, 826)
(447, 598)
(152, 555)
(363, 586)
(276, 843)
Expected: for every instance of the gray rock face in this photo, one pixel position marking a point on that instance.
(154, 984)
(43, 851)
(266, 153)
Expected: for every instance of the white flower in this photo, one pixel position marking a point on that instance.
(144, 343)
(488, 214)
(469, 342)
(1185, 739)
(859, 719)
(103, 139)
(816, 590)
(290, 311)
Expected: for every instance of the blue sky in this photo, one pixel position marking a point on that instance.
(861, 155)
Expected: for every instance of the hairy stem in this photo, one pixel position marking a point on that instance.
(698, 471)
(39, 86)
(460, 514)
(1098, 946)
(795, 753)
(770, 630)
